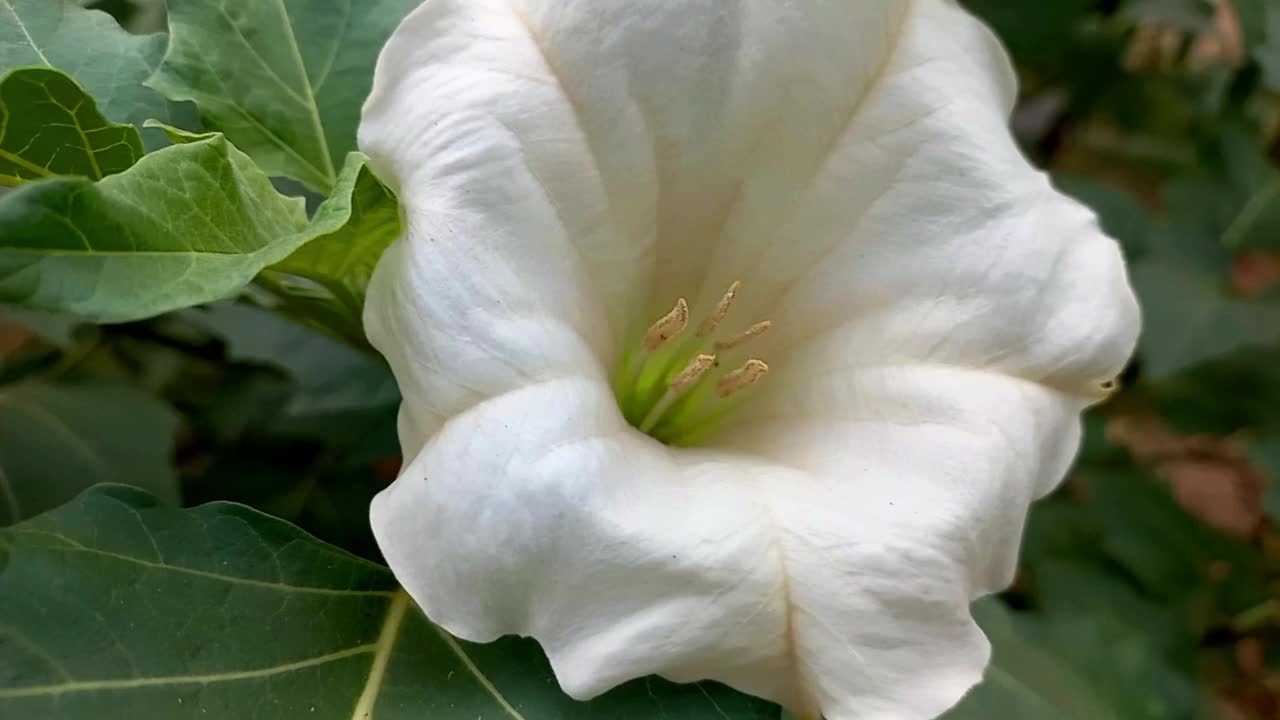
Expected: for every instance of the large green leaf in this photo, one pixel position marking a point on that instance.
(1251, 187)
(1226, 394)
(57, 440)
(1168, 553)
(330, 377)
(1118, 212)
(1024, 681)
(1136, 650)
(284, 79)
(1039, 33)
(186, 225)
(342, 262)
(1188, 319)
(114, 606)
(88, 45)
(49, 126)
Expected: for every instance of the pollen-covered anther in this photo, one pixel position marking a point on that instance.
(692, 373)
(713, 320)
(667, 326)
(759, 328)
(687, 378)
(742, 378)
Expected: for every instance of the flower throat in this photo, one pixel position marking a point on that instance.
(672, 387)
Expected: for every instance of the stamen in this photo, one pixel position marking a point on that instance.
(692, 373)
(687, 378)
(662, 386)
(742, 378)
(759, 328)
(709, 325)
(667, 326)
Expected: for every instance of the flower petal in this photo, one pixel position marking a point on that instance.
(828, 566)
(924, 236)
(566, 169)
(542, 513)
(585, 155)
(918, 495)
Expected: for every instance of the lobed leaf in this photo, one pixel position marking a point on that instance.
(330, 377)
(186, 225)
(92, 48)
(283, 79)
(343, 261)
(50, 126)
(57, 440)
(1025, 681)
(116, 606)
(1188, 319)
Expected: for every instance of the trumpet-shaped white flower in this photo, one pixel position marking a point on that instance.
(606, 205)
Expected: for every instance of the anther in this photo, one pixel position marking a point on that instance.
(667, 326)
(759, 328)
(742, 378)
(709, 325)
(692, 373)
(687, 378)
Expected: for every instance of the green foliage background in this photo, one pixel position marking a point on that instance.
(1148, 590)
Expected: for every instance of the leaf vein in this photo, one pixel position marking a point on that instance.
(378, 669)
(25, 33)
(141, 682)
(73, 546)
(477, 674)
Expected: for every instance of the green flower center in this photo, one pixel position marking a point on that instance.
(672, 386)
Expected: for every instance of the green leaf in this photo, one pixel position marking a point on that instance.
(57, 440)
(1268, 55)
(1252, 186)
(1198, 210)
(1255, 18)
(1226, 394)
(1118, 212)
(1134, 511)
(283, 80)
(49, 126)
(1188, 319)
(177, 135)
(186, 225)
(1134, 649)
(92, 48)
(57, 329)
(343, 261)
(330, 376)
(1265, 453)
(1024, 681)
(1038, 34)
(114, 606)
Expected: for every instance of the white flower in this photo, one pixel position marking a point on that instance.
(570, 169)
